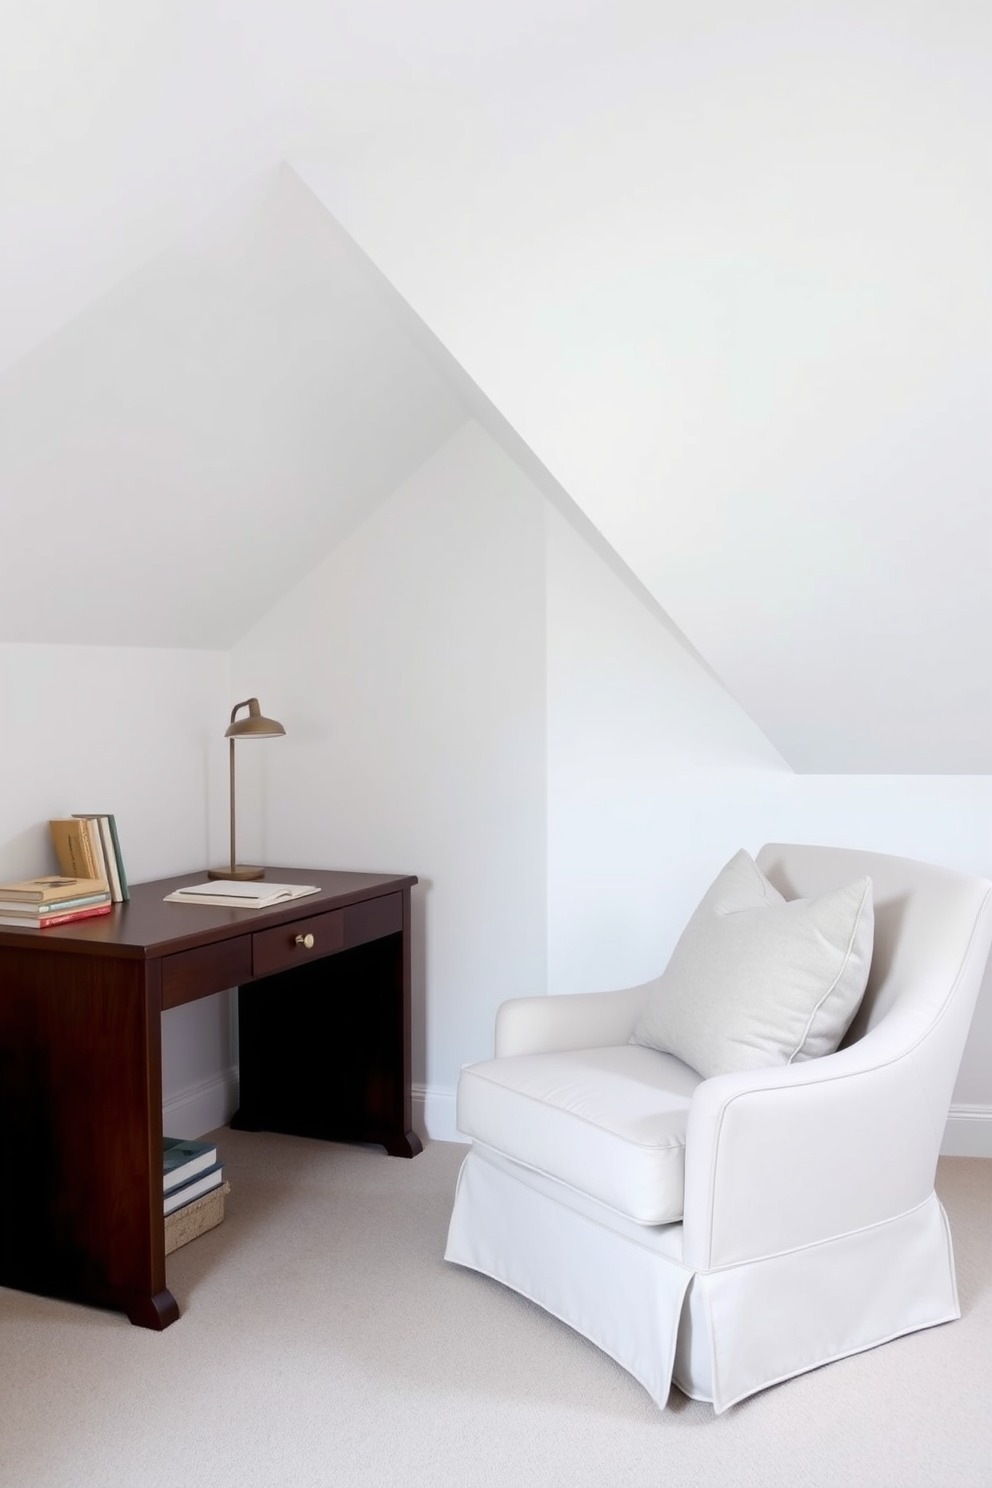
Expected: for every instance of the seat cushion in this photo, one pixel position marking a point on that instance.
(758, 980)
(609, 1122)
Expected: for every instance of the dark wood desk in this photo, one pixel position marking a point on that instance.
(324, 1041)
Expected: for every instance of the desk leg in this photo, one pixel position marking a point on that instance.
(154, 1312)
(81, 1113)
(407, 1145)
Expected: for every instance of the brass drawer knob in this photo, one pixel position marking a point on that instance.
(306, 941)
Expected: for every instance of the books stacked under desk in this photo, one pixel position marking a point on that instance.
(193, 1190)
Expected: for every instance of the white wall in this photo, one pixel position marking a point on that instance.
(139, 733)
(642, 743)
(409, 671)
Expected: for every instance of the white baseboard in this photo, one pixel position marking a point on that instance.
(968, 1132)
(205, 1107)
(201, 1108)
(434, 1115)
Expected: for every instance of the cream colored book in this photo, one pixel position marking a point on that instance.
(53, 888)
(103, 850)
(71, 839)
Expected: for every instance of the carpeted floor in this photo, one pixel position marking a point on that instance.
(323, 1341)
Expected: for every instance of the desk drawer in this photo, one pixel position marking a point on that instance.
(373, 918)
(192, 974)
(284, 947)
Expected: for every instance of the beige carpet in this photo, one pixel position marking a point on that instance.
(323, 1341)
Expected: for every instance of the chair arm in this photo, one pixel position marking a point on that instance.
(786, 1157)
(576, 1020)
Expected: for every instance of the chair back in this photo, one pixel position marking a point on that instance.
(933, 934)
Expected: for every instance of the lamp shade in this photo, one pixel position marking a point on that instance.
(254, 726)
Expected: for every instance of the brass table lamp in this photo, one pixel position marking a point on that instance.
(252, 727)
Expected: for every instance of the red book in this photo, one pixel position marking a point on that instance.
(40, 922)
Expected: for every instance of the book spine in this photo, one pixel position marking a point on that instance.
(92, 825)
(72, 848)
(107, 843)
(125, 891)
(176, 1177)
(55, 906)
(76, 914)
(195, 1188)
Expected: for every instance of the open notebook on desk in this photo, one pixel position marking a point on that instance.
(238, 894)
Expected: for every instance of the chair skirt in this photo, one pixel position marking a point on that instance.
(719, 1335)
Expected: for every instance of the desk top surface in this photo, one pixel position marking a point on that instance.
(145, 926)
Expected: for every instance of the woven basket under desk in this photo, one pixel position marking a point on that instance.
(203, 1214)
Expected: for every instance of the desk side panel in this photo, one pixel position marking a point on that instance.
(81, 1117)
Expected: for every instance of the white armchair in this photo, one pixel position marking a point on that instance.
(734, 1231)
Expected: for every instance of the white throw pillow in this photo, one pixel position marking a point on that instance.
(758, 980)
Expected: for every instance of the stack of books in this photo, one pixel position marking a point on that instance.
(87, 845)
(193, 1190)
(52, 900)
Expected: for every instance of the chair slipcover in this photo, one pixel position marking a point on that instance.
(809, 1225)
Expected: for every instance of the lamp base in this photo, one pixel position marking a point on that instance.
(241, 872)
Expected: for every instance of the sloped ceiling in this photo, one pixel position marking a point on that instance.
(122, 122)
(181, 453)
(721, 268)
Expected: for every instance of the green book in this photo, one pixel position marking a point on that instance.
(125, 891)
(183, 1160)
